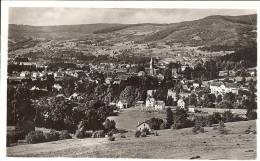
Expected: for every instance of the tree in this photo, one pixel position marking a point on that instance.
(169, 117)
(219, 98)
(230, 97)
(180, 119)
(128, 94)
(211, 70)
(169, 101)
(19, 105)
(243, 80)
(187, 73)
(228, 116)
(209, 99)
(225, 105)
(199, 71)
(109, 125)
(193, 99)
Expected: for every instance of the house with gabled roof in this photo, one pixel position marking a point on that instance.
(144, 125)
(220, 88)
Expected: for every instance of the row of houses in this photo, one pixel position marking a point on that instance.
(221, 88)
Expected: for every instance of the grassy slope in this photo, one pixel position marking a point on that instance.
(129, 118)
(181, 144)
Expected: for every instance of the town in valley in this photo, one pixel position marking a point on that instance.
(182, 90)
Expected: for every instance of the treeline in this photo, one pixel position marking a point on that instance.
(111, 29)
(19, 68)
(215, 48)
(248, 55)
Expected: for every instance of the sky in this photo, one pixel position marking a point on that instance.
(70, 16)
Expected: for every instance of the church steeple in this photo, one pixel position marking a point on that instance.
(151, 67)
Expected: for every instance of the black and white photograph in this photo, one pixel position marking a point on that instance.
(139, 83)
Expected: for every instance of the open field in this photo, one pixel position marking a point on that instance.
(129, 118)
(177, 144)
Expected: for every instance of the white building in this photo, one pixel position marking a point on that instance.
(57, 86)
(143, 125)
(220, 88)
(150, 93)
(25, 74)
(121, 104)
(152, 104)
(181, 103)
(159, 105)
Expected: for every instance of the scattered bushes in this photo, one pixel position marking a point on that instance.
(110, 136)
(122, 136)
(52, 136)
(198, 127)
(64, 134)
(156, 123)
(181, 119)
(109, 125)
(215, 118)
(80, 134)
(228, 116)
(222, 129)
(98, 134)
(35, 137)
(251, 114)
(88, 133)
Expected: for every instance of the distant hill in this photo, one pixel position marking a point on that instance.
(210, 31)
(61, 31)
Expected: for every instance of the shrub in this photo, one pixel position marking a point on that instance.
(146, 131)
(143, 134)
(222, 129)
(111, 138)
(194, 130)
(215, 118)
(88, 134)
(181, 119)
(162, 126)
(98, 134)
(228, 116)
(64, 135)
(123, 136)
(109, 134)
(198, 127)
(239, 118)
(221, 124)
(52, 136)
(137, 134)
(251, 114)
(35, 137)
(202, 130)
(79, 134)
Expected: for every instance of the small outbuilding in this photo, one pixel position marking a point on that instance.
(144, 125)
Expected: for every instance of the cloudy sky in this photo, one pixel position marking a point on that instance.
(68, 16)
